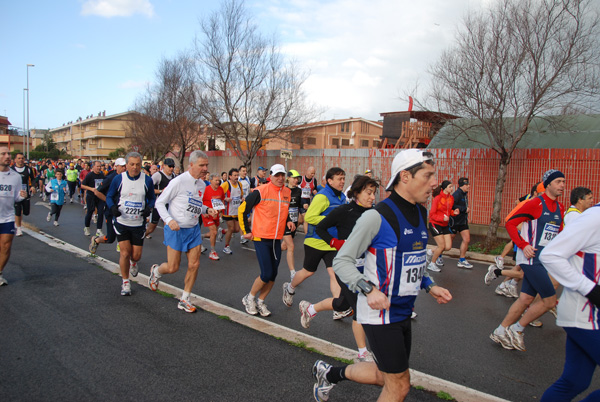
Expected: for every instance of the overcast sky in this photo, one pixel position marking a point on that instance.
(96, 55)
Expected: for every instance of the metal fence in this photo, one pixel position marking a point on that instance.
(580, 166)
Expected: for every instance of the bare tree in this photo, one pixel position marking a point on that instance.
(168, 114)
(248, 91)
(518, 60)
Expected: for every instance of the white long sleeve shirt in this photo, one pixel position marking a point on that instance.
(184, 196)
(10, 188)
(572, 258)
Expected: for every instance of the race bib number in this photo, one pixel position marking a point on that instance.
(194, 209)
(549, 233)
(413, 267)
(54, 195)
(6, 190)
(132, 210)
(293, 212)
(217, 204)
(305, 192)
(236, 202)
(97, 183)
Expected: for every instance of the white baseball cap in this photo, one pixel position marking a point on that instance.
(120, 162)
(405, 160)
(277, 168)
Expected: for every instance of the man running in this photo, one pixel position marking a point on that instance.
(581, 199)
(233, 199)
(394, 237)
(269, 204)
(245, 183)
(92, 181)
(130, 199)
(182, 230)
(161, 180)
(28, 184)
(542, 221)
(308, 185)
(11, 192)
(72, 176)
(460, 222)
(260, 178)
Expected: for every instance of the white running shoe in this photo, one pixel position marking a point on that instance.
(227, 250)
(502, 340)
(133, 268)
(413, 315)
(250, 305)
(434, 268)
(86, 231)
(126, 289)
(322, 387)
(220, 234)
(305, 317)
(19, 231)
(243, 240)
(490, 276)
(3, 281)
(338, 315)
(49, 216)
(214, 256)
(203, 249)
(186, 306)
(429, 255)
(499, 261)
(517, 339)
(99, 233)
(366, 356)
(288, 298)
(153, 279)
(55, 223)
(261, 306)
(464, 264)
(511, 291)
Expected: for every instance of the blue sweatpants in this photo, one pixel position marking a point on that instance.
(581, 358)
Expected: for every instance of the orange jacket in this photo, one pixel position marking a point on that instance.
(442, 205)
(271, 207)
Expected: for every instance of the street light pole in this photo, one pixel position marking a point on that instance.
(29, 65)
(24, 117)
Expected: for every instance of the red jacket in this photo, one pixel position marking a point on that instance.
(442, 205)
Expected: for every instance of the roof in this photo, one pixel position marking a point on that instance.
(4, 121)
(562, 132)
(329, 123)
(422, 115)
(93, 118)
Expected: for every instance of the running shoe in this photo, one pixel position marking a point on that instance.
(553, 312)
(250, 305)
(305, 316)
(338, 315)
(516, 339)
(203, 249)
(220, 235)
(500, 289)
(186, 306)
(413, 315)
(440, 261)
(19, 232)
(536, 323)
(503, 340)
(153, 279)
(433, 267)
(49, 217)
(133, 268)
(86, 231)
(499, 261)
(322, 387)
(70, 202)
(227, 250)
(429, 254)
(44, 197)
(3, 281)
(126, 289)
(511, 291)
(243, 240)
(93, 245)
(85, 206)
(214, 256)
(261, 306)
(490, 276)
(288, 298)
(55, 223)
(366, 356)
(464, 264)
(99, 233)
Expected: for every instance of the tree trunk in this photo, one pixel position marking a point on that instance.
(495, 219)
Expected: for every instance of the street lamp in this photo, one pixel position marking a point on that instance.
(29, 65)
(24, 116)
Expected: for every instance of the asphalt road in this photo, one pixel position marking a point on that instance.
(450, 341)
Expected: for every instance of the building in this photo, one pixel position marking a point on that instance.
(411, 129)
(351, 133)
(93, 137)
(12, 137)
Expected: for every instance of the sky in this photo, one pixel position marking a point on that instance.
(90, 56)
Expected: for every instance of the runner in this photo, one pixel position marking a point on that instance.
(542, 221)
(260, 178)
(92, 181)
(245, 183)
(581, 199)
(49, 176)
(82, 173)
(100, 192)
(343, 218)
(233, 198)
(288, 237)
(396, 228)
(460, 223)
(11, 192)
(441, 212)
(213, 198)
(315, 248)
(182, 231)
(308, 185)
(269, 204)
(573, 259)
(161, 180)
(58, 189)
(130, 199)
(72, 176)
(27, 184)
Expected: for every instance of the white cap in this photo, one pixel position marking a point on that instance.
(277, 168)
(405, 160)
(120, 162)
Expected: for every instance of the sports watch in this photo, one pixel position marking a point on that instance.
(365, 287)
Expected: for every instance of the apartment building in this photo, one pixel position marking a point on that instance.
(93, 137)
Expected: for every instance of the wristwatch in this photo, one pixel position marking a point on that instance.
(365, 287)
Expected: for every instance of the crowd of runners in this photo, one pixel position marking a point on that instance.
(375, 254)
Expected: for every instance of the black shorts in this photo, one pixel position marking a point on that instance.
(437, 230)
(230, 218)
(288, 232)
(22, 207)
(459, 228)
(132, 234)
(390, 344)
(312, 257)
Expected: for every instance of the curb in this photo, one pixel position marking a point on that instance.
(417, 378)
(455, 253)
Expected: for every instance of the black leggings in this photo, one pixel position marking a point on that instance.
(72, 187)
(55, 211)
(92, 203)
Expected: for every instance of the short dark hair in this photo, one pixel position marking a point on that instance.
(334, 171)
(579, 193)
(231, 171)
(360, 183)
(242, 166)
(19, 153)
(534, 189)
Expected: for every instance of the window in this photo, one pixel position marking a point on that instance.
(376, 143)
(345, 142)
(311, 141)
(345, 127)
(364, 127)
(364, 143)
(335, 142)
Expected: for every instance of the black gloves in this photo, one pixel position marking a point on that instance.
(146, 212)
(594, 296)
(114, 211)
